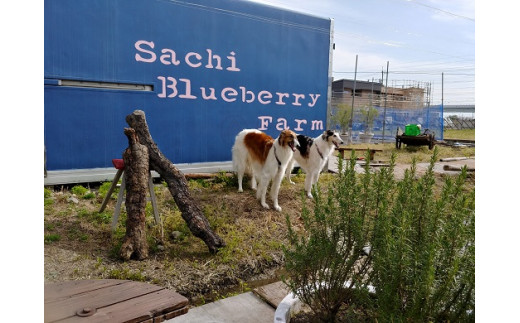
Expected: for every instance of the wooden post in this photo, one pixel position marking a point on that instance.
(136, 176)
(177, 184)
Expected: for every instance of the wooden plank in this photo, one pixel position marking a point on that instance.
(138, 309)
(56, 291)
(342, 150)
(453, 159)
(273, 293)
(62, 308)
(458, 168)
(170, 315)
(362, 163)
(359, 149)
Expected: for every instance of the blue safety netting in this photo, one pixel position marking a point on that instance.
(430, 118)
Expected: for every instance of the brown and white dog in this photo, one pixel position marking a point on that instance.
(265, 159)
(312, 154)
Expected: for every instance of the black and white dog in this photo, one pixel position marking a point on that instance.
(312, 154)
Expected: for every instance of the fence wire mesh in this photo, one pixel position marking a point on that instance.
(387, 120)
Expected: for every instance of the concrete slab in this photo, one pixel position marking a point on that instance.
(241, 308)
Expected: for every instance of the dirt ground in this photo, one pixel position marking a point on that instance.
(85, 248)
(253, 255)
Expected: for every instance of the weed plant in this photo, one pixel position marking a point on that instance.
(79, 190)
(411, 243)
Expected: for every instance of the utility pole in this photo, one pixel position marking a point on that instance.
(442, 91)
(428, 93)
(372, 93)
(442, 106)
(386, 95)
(352, 111)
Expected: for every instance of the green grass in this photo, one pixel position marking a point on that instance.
(465, 134)
(49, 238)
(125, 273)
(407, 153)
(79, 190)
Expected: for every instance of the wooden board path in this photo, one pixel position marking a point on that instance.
(273, 293)
(111, 300)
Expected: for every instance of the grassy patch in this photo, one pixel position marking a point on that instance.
(126, 273)
(104, 188)
(48, 238)
(79, 190)
(465, 134)
(406, 154)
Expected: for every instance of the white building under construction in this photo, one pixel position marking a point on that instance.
(402, 94)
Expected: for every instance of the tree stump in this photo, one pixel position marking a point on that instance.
(136, 176)
(177, 184)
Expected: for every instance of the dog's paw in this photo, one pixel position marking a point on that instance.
(278, 208)
(240, 190)
(265, 206)
(291, 182)
(309, 195)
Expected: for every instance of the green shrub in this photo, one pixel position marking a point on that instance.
(421, 260)
(82, 192)
(326, 266)
(78, 190)
(89, 195)
(424, 252)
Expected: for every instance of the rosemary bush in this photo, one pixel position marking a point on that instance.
(421, 260)
(327, 266)
(424, 251)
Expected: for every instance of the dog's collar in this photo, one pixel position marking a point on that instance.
(319, 152)
(275, 156)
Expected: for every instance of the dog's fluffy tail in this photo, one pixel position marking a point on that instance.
(240, 154)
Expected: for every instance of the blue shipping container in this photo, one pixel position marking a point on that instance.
(201, 70)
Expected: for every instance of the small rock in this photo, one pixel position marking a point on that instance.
(73, 199)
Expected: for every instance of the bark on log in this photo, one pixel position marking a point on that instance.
(136, 176)
(177, 184)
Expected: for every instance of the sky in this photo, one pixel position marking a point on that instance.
(418, 39)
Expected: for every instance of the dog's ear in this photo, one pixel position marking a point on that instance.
(324, 135)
